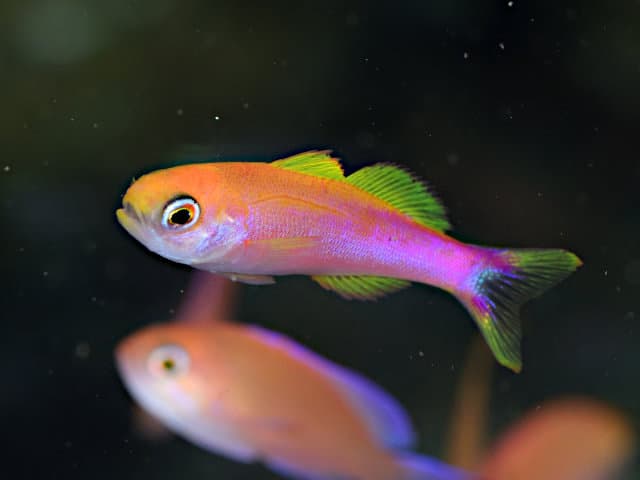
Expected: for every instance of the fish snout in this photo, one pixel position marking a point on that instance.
(129, 216)
(131, 211)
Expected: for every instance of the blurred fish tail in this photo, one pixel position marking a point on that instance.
(499, 286)
(417, 467)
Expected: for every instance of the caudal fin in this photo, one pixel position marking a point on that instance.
(417, 467)
(508, 280)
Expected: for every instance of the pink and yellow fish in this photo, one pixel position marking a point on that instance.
(362, 236)
(254, 395)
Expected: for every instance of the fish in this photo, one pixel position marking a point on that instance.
(362, 236)
(207, 299)
(254, 395)
(568, 438)
(564, 438)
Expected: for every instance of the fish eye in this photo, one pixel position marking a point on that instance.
(168, 361)
(180, 212)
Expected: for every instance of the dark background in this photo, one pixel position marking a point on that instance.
(523, 116)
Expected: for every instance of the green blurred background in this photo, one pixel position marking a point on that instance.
(522, 115)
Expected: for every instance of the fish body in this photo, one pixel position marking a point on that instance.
(362, 235)
(254, 395)
(564, 439)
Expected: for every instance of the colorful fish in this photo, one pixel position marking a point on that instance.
(254, 395)
(362, 236)
(564, 439)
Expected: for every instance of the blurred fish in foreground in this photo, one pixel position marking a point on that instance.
(571, 438)
(565, 439)
(254, 395)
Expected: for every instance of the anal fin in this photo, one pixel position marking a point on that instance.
(360, 287)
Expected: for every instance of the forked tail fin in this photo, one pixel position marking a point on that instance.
(501, 286)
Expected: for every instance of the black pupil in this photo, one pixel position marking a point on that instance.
(168, 364)
(181, 216)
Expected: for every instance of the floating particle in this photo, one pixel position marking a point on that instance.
(632, 271)
(510, 4)
(465, 55)
(501, 45)
(216, 117)
(7, 168)
(179, 112)
(82, 350)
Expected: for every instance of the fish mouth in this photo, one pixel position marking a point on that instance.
(130, 218)
(128, 210)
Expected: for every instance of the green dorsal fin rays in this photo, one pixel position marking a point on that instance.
(404, 192)
(388, 182)
(363, 287)
(314, 162)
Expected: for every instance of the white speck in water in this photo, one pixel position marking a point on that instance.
(501, 45)
(94, 299)
(245, 105)
(96, 124)
(45, 274)
(510, 4)
(421, 353)
(179, 112)
(82, 350)
(216, 117)
(465, 55)
(7, 168)
(606, 272)
(539, 194)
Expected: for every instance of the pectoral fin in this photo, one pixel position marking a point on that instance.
(250, 279)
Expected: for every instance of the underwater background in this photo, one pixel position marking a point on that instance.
(522, 116)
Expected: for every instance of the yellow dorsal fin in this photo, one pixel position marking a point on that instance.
(363, 287)
(314, 162)
(404, 192)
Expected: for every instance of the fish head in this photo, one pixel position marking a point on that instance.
(162, 368)
(182, 214)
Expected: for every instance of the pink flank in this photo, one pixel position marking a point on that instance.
(315, 226)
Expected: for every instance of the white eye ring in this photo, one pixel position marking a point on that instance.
(168, 361)
(173, 217)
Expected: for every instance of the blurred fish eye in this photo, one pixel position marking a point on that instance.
(168, 361)
(180, 212)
